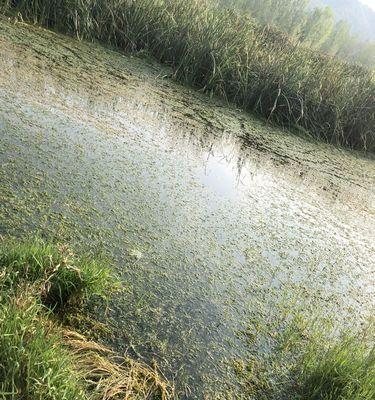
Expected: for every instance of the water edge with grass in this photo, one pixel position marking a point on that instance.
(209, 216)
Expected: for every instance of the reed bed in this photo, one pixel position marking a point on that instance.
(229, 55)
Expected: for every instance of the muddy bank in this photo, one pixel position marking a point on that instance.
(208, 213)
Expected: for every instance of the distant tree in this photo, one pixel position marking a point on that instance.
(315, 27)
(284, 14)
(318, 27)
(366, 54)
(338, 40)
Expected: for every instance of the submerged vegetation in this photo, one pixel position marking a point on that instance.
(42, 359)
(227, 54)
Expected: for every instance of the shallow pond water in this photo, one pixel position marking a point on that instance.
(207, 213)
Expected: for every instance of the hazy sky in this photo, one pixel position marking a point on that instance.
(370, 3)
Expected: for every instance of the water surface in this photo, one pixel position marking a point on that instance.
(207, 213)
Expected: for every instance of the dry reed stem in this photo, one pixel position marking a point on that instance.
(111, 377)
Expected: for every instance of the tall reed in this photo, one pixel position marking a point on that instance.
(228, 54)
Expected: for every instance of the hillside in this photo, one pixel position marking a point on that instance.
(360, 16)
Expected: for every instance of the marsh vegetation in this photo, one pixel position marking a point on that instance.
(228, 54)
(43, 359)
(315, 25)
(208, 216)
(309, 358)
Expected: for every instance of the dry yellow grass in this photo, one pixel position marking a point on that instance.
(111, 377)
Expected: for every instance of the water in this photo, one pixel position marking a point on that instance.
(207, 214)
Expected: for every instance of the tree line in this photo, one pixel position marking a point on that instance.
(314, 27)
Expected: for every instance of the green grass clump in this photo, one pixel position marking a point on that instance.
(343, 371)
(307, 360)
(227, 54)
(33, 363)
(60, 276)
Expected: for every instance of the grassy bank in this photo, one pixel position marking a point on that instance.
(40, 358)
(227, 54)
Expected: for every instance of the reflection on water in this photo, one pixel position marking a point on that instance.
(222, 171)
(224, 229)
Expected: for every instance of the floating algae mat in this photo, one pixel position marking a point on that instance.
(207, 214)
